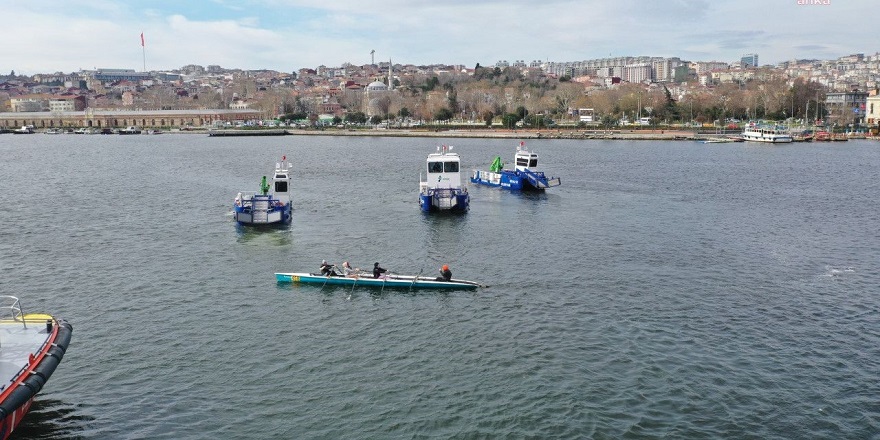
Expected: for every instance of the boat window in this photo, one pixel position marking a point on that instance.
(533, 163)
(280, 187)
(435, 167)
(280, 176)
(450, 167)
(522, 161)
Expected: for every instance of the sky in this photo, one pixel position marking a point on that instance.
(41, 36)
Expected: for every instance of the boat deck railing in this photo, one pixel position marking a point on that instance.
(247, 200)
(540, 180)
(445, 192)
(11, 305)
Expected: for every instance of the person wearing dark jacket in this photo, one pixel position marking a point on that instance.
(445, 273)
(378, 271)
(327, 268)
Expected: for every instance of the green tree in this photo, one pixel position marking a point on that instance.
(443, 114)
(452, 102)
(670, 108)
(609, 121)
(431, 84)
(356, 118)
(509, 120)
(375, 120)
(488, 116)
(294, 116)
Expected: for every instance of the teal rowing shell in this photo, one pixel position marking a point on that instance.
(393, 281)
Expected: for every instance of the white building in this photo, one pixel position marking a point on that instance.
(636, 73)
(872, 111)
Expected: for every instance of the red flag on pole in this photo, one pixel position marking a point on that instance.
(142, 39)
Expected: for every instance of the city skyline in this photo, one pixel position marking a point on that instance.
(286, 35)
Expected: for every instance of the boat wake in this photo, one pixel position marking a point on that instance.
(831, 271)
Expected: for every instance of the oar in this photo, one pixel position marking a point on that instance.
(384, 280)
(328, 278)
(415, 279)
(472, 283)
(353, 284)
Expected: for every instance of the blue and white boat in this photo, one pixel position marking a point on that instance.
(522, 178)
(271, 205)
(442, 190)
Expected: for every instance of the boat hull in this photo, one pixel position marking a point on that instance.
(391, 281)
(454, 201)
(514, 180)
(262, 210)
(278, 215)
(768, 140)
(38, 366)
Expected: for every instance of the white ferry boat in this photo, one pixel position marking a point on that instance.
(773, 134)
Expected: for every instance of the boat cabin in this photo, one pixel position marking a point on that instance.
(443, 169)
(281, 180)
(525, 160)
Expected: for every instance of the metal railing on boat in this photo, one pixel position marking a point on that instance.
(13, 305)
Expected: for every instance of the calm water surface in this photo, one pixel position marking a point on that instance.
(666, 289)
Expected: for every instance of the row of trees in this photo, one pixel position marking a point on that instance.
(511, 95)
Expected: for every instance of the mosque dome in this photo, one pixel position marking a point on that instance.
(377, 86)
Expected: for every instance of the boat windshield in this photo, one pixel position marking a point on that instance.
(450, 167)
(527, 162)
(435, 167)
(281, 187)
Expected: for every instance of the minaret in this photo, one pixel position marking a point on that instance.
(390, 72)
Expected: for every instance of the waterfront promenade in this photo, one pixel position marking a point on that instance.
(623, 134)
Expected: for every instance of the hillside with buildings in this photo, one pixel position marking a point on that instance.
(607, 92)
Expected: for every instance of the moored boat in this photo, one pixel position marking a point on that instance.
(718, 140)
(767, 133)
(130, 130)
(271, 205)
(26, 129)
(442, 190)
(802, 137)
(31, 347)
(522, 177)
(385, 281)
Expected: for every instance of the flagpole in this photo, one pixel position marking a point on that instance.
(144, 51)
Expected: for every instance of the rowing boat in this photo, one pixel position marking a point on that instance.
(389, 281)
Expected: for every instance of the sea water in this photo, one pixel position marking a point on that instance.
(665, 289)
